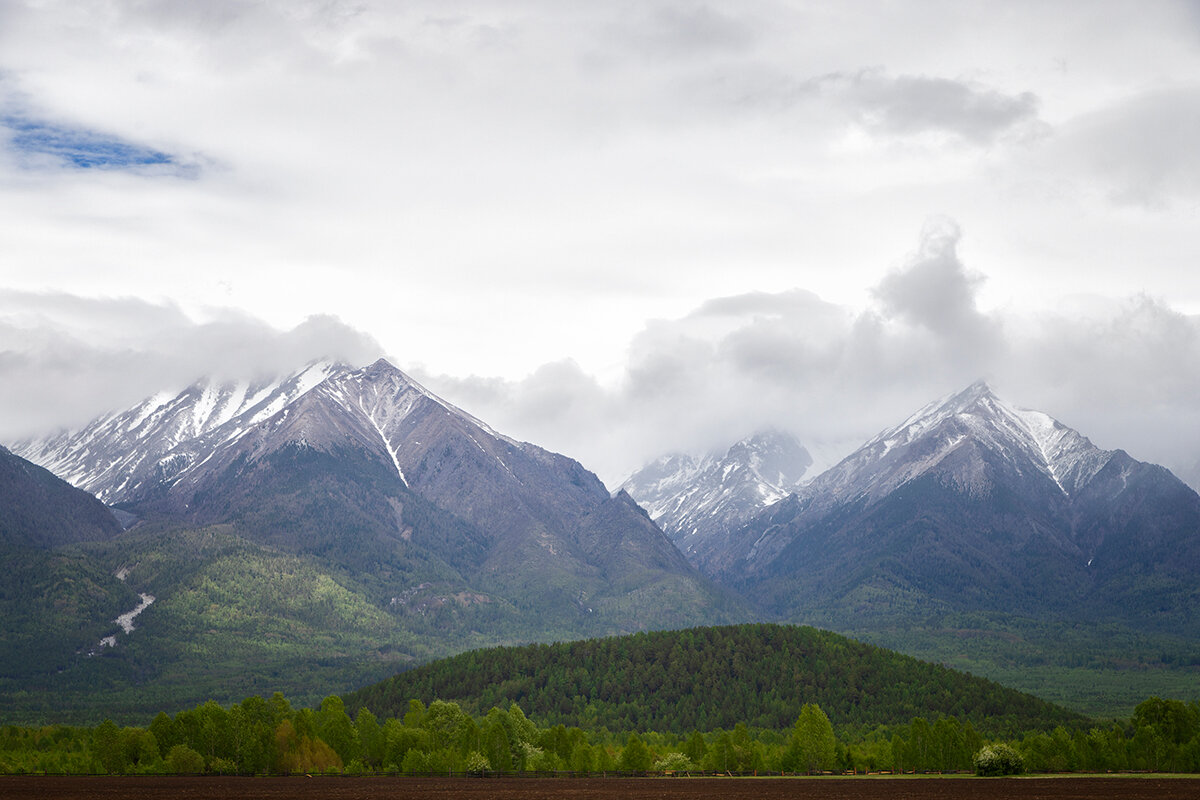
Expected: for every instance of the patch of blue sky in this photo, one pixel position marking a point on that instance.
(79, 148)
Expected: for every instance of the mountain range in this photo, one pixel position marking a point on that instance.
(317, 531)
(983, 535)
(442, 531)
(972, 504)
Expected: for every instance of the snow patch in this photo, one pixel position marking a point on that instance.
(386, 444)
(125, 621)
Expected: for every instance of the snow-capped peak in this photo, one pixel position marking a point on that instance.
(932, 414)
(976, 414)
(98, 457)
(695, 497)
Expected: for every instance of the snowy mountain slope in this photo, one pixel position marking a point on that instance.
(110, 456)
(369, 469)
(971, 503)
(1029, 440)
(693, 499)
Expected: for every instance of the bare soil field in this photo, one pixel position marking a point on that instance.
(399, 788)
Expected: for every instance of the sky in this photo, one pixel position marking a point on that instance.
(614, 229)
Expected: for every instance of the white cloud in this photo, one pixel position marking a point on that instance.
(913, 105)
(1121, 371)
(488, 187)
(1140, 150)
(65, 359)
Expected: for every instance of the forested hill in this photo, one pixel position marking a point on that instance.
(708, 678)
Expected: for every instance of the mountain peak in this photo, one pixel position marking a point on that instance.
(972, 419)
(976, 391)
(699, 499)
(977, 394)
(382, 366)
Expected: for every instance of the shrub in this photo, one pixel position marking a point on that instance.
(477, 762)
(674, 762)
(998, 759)
(183, 760)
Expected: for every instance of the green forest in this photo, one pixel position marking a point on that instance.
(713, 677)
(733, 699)
(267, 736)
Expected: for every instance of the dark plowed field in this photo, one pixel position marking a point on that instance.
(53, 788)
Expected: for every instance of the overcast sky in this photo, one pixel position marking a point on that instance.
(612, 228)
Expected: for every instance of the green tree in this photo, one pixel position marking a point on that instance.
(448, 726)
(746, 754)
(414, 762)
(140, 749)
(415, 713)
(497, 747)
(399, 739)
(252, 726)
(812, 745)
(370, 738)
(336, 730)
(106, 744)
(720, 757)
(635, 756)
(583, 758)
(164, 730)
(696, 748)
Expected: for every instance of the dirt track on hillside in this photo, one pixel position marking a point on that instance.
(160, 788)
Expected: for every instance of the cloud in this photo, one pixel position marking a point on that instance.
(1141, 149)
(912, 108)
(65, 359)
(912, 105)
(935, 292)
(683, 30)
(1121, 371)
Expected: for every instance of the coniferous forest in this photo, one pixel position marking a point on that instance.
(737, 699)
(712, 677)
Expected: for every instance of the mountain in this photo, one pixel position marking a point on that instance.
(707, 678)
(149, 443)
(364, 467)
(972, 504)
(49, 594)
(402, 526)
(40, 510)
(995, 539)
(696, 500)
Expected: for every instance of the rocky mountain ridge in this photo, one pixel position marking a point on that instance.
(697, 499)
(974, 504)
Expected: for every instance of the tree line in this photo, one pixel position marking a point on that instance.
(268, 736)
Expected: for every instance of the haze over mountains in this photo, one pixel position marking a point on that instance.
(344, 522)
(969, 504)
(979, 534)
(696, 500)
